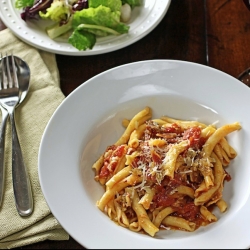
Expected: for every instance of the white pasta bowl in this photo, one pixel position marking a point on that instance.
(90, 119)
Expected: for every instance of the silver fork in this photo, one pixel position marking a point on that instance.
(9, 98)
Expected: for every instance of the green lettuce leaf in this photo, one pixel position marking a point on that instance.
(56, 12)
(56, 30)
(132, 3)
(101, 16)
(97, 29)
(19, 4)
(114, 5)
(82, 40)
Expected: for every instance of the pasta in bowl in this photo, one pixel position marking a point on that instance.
(96, 115)
(165, 173)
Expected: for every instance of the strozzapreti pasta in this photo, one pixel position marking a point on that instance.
(165, 173)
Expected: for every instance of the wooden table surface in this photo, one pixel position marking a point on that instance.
(210, 32)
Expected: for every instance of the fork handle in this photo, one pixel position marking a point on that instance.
(5, 115)
(21, 181)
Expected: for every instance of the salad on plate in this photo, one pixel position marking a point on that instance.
(80, 21)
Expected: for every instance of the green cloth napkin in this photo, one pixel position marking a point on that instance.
(32, 116)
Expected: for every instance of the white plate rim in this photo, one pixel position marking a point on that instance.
(235, 226)
(38, 38)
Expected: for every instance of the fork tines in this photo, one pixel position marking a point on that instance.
(8, 72)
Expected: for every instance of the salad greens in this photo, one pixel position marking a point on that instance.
(80, 21)
(132, 3)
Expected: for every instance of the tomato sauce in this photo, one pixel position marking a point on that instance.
(183, 205)
(110, 166)
(193, 134)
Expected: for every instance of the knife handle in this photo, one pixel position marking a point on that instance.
(2, 149)
(20, 177)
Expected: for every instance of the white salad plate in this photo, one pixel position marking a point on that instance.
(143, 20)
(90, 119)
